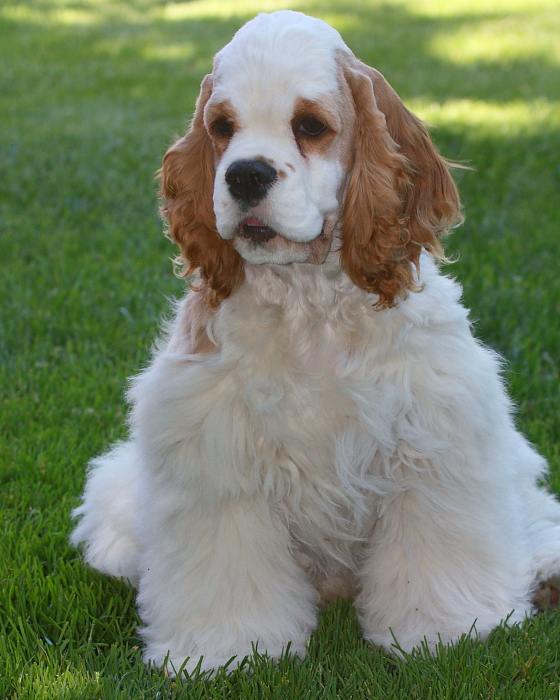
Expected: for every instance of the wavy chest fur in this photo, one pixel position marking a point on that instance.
(299, 389)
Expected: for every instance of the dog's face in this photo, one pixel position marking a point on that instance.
(280, 126)
(296, 145)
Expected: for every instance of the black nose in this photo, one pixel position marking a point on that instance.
(249, 180)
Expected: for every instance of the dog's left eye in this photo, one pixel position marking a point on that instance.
(311, 126)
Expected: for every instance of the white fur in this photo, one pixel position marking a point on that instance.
(321, 440)
(297, 206)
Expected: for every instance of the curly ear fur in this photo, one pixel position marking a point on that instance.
(187, 182)
(400, 196)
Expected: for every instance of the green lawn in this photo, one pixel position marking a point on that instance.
(91, 93)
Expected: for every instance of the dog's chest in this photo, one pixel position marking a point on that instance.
(314, 381)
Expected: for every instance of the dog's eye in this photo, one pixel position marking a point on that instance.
(223, 127)
(311, 126)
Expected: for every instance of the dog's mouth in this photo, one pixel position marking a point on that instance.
(256, 231)
(259, 244)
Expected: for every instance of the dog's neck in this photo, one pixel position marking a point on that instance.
(307, 285)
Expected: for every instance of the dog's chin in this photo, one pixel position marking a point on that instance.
(261, 245)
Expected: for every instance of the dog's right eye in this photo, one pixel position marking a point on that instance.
(223, 127)
(311, 126)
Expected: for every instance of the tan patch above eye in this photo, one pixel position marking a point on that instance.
(219, 110)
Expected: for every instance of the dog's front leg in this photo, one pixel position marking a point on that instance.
(219, 581)
(438, 568)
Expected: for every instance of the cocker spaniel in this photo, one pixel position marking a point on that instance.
(319, 421)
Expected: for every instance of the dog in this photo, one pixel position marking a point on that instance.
(319, 421)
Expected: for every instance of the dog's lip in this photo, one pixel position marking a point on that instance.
(255, 229)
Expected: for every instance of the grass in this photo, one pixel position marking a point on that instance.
(91, 93)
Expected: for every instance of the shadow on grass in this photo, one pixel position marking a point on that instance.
(160, 52)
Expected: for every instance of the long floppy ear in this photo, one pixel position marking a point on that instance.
(187, 184)
(400, 196)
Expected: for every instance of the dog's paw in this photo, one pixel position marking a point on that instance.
(181, 664)
(547, 594)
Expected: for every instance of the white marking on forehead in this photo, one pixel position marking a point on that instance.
(276, 58)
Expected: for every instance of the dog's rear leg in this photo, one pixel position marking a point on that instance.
(108, 512)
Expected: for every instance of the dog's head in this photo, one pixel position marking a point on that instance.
(296, 145)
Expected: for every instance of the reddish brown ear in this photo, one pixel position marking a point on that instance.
(187, 184)
(400, 195)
